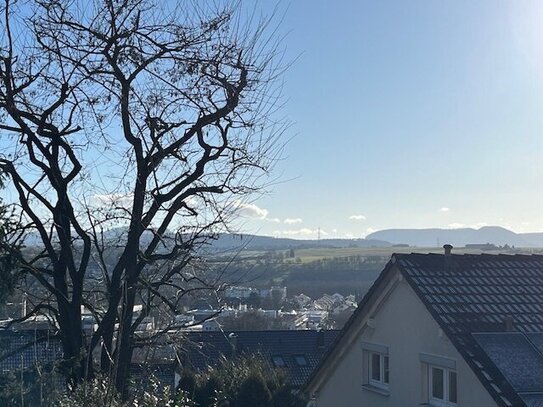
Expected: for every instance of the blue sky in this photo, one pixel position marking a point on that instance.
(409, 114)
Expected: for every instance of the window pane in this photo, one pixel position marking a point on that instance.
(385, 379)
(376, 366)
(452, 387)
(437, 383)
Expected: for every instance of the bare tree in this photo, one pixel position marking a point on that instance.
(130, 132)
(8, 262)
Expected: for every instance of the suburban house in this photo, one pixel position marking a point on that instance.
(32, 351)
(30, 348)
(297, 353)
(441, 330)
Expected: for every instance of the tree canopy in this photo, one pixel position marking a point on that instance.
(131, 132)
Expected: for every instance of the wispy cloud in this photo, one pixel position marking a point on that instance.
(113, 199)
(444, 209)
(250, 210)
(292, 221)
(357, 217)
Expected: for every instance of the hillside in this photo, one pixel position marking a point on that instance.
(534, 238)
(254, 242)
(458, 237)
(380, 239)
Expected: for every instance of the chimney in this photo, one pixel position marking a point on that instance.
(447, 248)
(508, 323)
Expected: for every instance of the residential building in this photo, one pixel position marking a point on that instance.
(315, 318)
(295, 352)
(211, 325)
(294, 320)
(239, 292)
(302, 300)
(24, 349)
(441, 330)
(279, 293)
(32, 352)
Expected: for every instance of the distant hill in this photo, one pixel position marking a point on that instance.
(254, 242)
(535, 239)
(228, 241)
(458, 237)
(383, 238)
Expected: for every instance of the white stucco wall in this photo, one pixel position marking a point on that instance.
(403, 324)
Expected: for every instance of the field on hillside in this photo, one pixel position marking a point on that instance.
(315, 271)
(319, 253)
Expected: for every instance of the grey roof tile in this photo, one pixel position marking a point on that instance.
(470, 294)
(202, 350)
(513, 354)
(533, 400)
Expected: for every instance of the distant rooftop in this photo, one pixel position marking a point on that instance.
(298, 352)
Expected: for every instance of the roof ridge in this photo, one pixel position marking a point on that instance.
(507, 255)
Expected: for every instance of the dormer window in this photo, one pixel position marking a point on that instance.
(278, 361)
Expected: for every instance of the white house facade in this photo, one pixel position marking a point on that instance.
(414, 341)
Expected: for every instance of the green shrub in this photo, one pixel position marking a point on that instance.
(100, 392)
(10, 393)
(254, 392)
(209, 392)
(240, 382)
(97, 392)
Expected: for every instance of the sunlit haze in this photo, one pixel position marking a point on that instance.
(408, 115)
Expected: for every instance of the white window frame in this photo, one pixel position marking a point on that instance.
(368, 383)
(446, 380)
(381, 383)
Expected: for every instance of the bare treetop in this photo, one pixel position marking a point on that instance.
(154, 115)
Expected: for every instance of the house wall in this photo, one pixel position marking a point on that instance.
(403, 324)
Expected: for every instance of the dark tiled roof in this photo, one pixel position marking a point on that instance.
(519, 361)
(24, 350)
(204, 349)
(533, 400)
(469, 295)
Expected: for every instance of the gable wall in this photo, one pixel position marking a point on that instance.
(404, 325)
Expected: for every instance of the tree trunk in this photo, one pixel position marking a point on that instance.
(125, 345)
